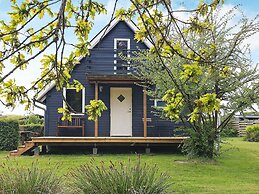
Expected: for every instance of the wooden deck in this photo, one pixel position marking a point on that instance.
(108, 140)
(95, 142)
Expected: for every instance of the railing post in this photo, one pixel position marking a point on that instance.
(145, 111)
(96, 121)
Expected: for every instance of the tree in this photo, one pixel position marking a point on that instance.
(199, 71)
(22, 40)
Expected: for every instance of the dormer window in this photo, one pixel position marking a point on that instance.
(122, 46)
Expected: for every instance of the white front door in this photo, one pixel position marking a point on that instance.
(121, 111)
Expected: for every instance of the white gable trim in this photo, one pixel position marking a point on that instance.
(107, 29)
(41, 96)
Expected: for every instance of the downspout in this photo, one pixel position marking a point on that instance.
(37, 106)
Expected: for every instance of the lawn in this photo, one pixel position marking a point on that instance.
(235, 171)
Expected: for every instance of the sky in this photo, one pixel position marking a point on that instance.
(249, 7)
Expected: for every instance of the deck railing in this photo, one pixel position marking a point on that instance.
(109, 61)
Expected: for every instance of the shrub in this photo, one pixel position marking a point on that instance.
(201, 144)
(229, 132)
(32, 180)
(34, 119)
(31, 119)
(35, 128)
(9, 135)
(118, 178)
(252, 133)
(34, 124)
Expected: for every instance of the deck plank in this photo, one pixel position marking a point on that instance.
(160, 140)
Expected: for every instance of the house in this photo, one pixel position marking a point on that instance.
(129, 118)
(240, 122)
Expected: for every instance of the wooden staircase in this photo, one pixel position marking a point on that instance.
(22, 149)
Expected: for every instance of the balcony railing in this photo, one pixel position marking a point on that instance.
(109, 62)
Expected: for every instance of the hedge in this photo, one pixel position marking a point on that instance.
(252, 133)
(9, 134)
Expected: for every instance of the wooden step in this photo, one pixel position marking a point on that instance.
(22, 149)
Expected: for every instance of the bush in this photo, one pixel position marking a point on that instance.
(252, 133)
(32, 180)
(34, 119)
(117, 179)
(9, 135)
(31, 119)
(201, 144)
(35, 128)
(229, 132)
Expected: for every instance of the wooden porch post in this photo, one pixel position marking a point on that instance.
(96, 121)
(145, 111)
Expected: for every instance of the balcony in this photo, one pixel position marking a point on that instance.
(108, 62)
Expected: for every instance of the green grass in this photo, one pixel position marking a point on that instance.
(236, 170)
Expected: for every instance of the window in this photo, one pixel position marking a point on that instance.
(76, 100)
(121, 46)
(159, 103)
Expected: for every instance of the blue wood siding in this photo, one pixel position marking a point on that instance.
(101, 61)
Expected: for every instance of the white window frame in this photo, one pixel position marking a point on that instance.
(83, 100)
(155, 103)
(122, 39)
(115, 48)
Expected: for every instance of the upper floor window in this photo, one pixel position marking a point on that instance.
(75, 100)
(121, 45)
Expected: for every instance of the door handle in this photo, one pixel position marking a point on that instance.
(130, 109)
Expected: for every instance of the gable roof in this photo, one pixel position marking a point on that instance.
(99, 36)
(110, 26)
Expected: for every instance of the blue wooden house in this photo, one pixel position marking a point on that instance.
(129, 118)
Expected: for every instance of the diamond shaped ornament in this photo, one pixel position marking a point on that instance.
(121, 98)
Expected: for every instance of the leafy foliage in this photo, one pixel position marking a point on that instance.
(22, 41)
(33, 180)
(195, 68)
(118, 178)
(229, 132)
(33, 124)
(33, 119)
(199, 145)
(9, 135)
(252, 133)
(95, 109)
